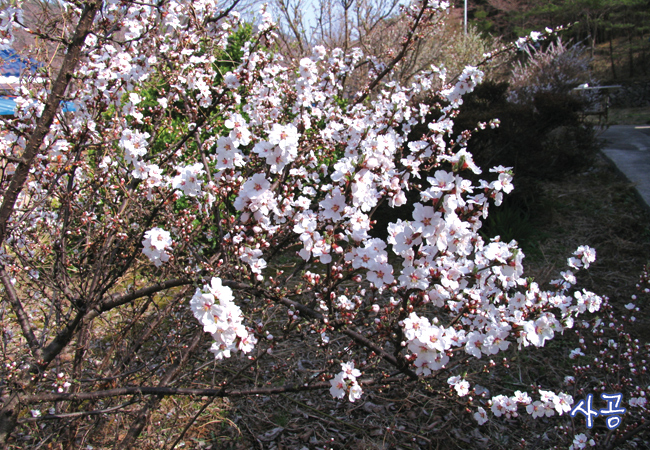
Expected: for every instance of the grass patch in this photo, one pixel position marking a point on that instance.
(629, 116)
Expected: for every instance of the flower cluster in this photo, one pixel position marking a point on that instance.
(9, 17)
(215, 309)
(61, 384)
(557, 68)
(507, 406)
(188, 179)
(346, 382)
(581, 441)
(300, 169)
(156, 243)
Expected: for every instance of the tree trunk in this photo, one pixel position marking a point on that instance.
(611, 57)
(592, 41)
(10, 403)
(631, 53)
(138, 424)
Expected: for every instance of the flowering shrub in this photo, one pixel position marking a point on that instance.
(555, 70)
(179, 173)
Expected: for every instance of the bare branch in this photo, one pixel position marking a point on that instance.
(114, 301)
(73, 415)
(168, 391)
(410, 38)
(294, 20)
(17, 307)
(358, 338)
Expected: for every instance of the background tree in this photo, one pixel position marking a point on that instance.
(620, 24)
(378, 30)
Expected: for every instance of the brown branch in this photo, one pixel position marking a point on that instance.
(62, 339)
(358, 338)
(627, 436)
(12, 159)
(23, 321)
(8, 416)
(44, 122)
(168, 391)
(104, 379)
(113, 301)
(145, 333)
(142, 415)
(222, 14)
(284, 8)
(189, 424)
(76, 414)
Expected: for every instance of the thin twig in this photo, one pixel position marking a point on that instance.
(191, 422)
(77, 414)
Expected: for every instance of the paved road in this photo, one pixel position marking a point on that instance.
(628, 146)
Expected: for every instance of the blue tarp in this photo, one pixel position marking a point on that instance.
(7, 106)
